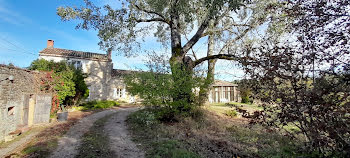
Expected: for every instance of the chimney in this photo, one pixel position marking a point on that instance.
(50, 43)
(109, 53)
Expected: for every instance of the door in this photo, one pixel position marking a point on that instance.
(217, 96)
(31, 110)
(25, 110)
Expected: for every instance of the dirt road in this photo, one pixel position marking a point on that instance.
(115, 128)
(120, 141)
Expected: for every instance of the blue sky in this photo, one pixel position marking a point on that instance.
(25, 26)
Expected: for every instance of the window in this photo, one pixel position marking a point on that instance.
(11, 110)
(226, 92)
(232, 94)
(76, 63)
(118, 93)
(217, 94)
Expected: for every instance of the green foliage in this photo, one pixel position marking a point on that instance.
(231, 113)
(146, 118)
(170, 94)
(119, 29)
(67, 82)
(245, 99)
(132, 12)
(171, 149)
(104, 104)
(61, 74)
(246, 92)
(81, 89)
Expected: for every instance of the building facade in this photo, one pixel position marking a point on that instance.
(223, 92)
(104, 82)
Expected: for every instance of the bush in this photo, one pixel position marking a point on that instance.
(63, 79)
(231, 113)
(170, 91)
(104, 104)
(317, 107)
(145, 117)
(245, 99)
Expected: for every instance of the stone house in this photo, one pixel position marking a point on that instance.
(22, 103)
(104, 82)
(223, 92)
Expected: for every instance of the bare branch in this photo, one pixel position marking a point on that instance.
(227, 28)
(150, 20)
(154, 13)
(197, 36)
(193, 53)
(218, 56)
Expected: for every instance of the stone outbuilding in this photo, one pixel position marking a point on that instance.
(22, 103)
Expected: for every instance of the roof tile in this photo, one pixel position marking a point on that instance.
(74, 54)
(223, 83)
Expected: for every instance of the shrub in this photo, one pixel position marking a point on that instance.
(245, 99)
(318, 110)
(231, 113)
(169, 91)
(64, 80)
(145, 117)
(104, 104)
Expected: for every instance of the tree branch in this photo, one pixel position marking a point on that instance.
(197, 36)
(218, 56)
(194, 54)
(151, 20)
(227, 28)
(153, 12)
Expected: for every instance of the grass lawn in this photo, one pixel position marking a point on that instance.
(249, 107)
(226, 109)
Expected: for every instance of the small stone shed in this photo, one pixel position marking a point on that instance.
(22, 103)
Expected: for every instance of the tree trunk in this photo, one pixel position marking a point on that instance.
(182, 73)
(204, 89)
(181, 68)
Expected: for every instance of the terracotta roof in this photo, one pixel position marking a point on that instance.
(223, 83)
(74, 54)
(119, 72)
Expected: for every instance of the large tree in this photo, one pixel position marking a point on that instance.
(122, 29)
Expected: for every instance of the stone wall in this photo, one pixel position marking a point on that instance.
(19, 88)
